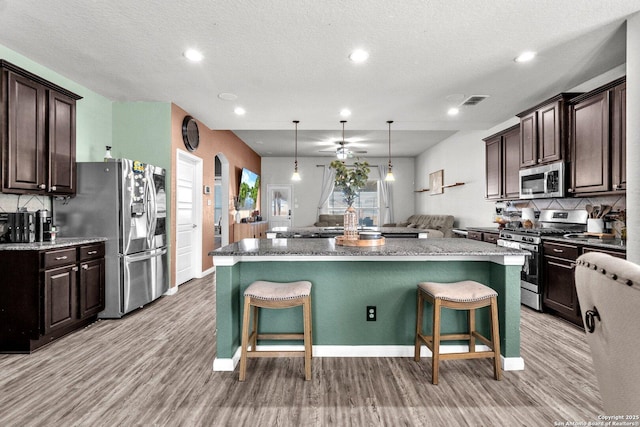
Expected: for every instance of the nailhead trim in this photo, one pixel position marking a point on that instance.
(613, 276)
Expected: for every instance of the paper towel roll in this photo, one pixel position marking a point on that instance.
(528, 214)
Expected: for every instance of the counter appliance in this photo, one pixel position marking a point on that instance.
(125, 201)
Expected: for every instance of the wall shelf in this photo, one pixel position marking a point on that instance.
(457, 184)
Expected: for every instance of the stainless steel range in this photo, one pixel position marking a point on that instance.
(550, 223)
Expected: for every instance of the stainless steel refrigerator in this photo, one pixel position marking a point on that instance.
(124, 201)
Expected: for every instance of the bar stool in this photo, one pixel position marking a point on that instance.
(465, 295)
(262, 294)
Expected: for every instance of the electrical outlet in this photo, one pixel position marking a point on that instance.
(371, 313)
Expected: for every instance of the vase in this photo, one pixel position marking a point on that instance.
(350, 224)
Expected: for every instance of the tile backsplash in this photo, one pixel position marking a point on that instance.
(13, 202)
(617, 202)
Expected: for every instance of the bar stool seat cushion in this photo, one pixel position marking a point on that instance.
(465, 291)
(273, 291)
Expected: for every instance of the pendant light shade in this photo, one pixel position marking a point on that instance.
(390, 176)
(296, 175)
(342, 153)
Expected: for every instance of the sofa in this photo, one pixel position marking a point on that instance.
(326, 220)
(443, 223)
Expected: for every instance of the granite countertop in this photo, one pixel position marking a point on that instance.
(615, 244)
(61, 242)
(485, 229)
(335, 231)
(393, 247)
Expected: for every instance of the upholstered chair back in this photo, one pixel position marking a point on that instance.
(609, 294)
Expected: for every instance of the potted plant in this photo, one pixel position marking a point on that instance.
(350, 181)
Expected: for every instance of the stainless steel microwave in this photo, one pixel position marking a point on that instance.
(542, 182)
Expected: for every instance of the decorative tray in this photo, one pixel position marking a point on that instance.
(340, 240)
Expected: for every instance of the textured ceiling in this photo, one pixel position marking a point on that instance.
(288, 59)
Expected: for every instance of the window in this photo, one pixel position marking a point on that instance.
(367, 205)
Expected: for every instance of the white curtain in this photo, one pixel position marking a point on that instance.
(328, 182)
(386, 206)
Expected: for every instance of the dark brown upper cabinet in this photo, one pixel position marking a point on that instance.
(502, 155)
(598, 140)
(543, 131)
(38, 138)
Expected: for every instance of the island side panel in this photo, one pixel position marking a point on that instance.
(505, 279)
(228, 303)
(342, 290)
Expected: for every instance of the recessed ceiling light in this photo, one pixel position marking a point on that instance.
(525, 56)
(345, 112)
(453, 111)
(228, 96)
(239, 111)
(359, 55)
(193, 55)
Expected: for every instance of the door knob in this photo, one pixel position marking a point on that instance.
(194, 226)
(42, 186)
(53, 188)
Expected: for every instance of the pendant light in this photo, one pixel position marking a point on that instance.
(390, 176)
(342, 153)
(296, 175)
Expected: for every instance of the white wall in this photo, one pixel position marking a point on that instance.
(462, 157)
(306, 193)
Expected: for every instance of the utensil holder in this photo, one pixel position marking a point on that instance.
(595, 225)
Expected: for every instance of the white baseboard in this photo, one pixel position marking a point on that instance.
(206, 272)
(174, 290)
(228, 365)
(508, 363)
(171, 291)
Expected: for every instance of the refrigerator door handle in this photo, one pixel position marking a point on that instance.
(141, 256)
(152, 213)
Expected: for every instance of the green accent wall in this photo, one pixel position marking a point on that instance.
(342, 291)
(142, 131)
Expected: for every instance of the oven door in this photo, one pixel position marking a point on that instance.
(530, 286)
(531, 268)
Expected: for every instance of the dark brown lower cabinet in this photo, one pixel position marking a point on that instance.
(559, 264)
(91, 288)
(59, 298)
(46, 294)
(559, 294)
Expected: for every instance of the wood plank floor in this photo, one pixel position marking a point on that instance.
(154, 367)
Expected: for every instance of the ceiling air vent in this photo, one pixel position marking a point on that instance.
(474, 100)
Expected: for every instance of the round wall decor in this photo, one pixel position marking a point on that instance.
(190, 134)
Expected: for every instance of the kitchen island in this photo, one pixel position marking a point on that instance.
(346, 280)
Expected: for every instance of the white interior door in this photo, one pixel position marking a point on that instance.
(280, 202)
(188, 217)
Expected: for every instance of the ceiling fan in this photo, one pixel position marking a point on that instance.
(343, 151)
